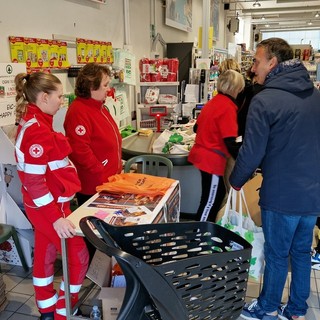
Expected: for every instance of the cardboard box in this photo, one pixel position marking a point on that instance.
(112, 299)
(9, 253)
(251, 191)
(100, 269)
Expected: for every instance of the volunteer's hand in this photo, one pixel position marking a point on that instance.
(64, 228)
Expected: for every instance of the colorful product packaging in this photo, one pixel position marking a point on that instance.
(43, 53)
(103, 50)
(17, 49)
(81, 50)
(31, 52)
(158, 70)
(89, 51)
(63, 57)
(96, 51)
(109, 53)
(53, 52)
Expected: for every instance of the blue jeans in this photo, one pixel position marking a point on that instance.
(286, 237)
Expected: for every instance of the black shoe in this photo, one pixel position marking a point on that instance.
(78, 313)
(47, 316)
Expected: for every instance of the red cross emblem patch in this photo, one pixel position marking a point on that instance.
(80, 130)
(36, 151)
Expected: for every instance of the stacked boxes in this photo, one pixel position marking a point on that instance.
(158, 70)
(3, 299)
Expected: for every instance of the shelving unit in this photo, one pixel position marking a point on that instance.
(165, 87)
(246, 61)
(144, 120)
(311, 66)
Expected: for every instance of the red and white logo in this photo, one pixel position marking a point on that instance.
(36, 151)
(80, 130)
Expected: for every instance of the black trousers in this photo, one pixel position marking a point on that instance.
(212, 195)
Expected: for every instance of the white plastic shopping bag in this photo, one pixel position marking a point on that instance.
(235, 220)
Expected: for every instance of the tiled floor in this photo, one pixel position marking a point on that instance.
(21, 306)
(20, 294)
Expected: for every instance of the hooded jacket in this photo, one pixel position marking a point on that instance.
(283, 137)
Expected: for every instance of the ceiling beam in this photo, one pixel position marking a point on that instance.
(291, 1)
(279, 10)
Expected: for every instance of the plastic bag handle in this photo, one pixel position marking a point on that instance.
(231, 203)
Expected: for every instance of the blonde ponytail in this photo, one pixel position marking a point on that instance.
(21, 101)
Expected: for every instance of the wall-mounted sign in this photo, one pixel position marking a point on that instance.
(8, 71)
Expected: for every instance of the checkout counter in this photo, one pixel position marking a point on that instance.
(185, 172)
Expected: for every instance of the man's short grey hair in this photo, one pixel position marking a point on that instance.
(277, 47)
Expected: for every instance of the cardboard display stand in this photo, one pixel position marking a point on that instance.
(11, 206)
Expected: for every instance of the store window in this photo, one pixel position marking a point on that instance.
(297, 37)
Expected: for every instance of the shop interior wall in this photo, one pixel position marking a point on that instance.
(90, 20)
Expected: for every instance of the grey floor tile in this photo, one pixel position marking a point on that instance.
(25, 286)
(6, 267)
(313, 314)
(253, 289)
(11, 281)
(29, 308)
(313, 301)
(4, 315)
(19, 271)
(22, 316)
(16, 300)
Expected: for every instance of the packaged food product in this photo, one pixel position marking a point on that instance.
(152, 95)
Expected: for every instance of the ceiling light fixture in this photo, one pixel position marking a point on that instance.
(310, 23)
(256, 4)
(263, 17)
(317, 15)
(267, 25)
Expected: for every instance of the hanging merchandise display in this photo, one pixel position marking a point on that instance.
(93, 51)
(125, 61)
(123, 111)
(39, 54)
(117, 104)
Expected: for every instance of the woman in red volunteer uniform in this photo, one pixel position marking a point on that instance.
(217, 130)
(93, 134)
(49, 182)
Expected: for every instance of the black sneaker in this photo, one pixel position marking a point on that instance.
(47, 316)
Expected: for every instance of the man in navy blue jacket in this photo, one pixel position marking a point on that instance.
(283, 138)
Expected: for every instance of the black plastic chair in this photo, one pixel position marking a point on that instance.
(176, 271)
(150, 164)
